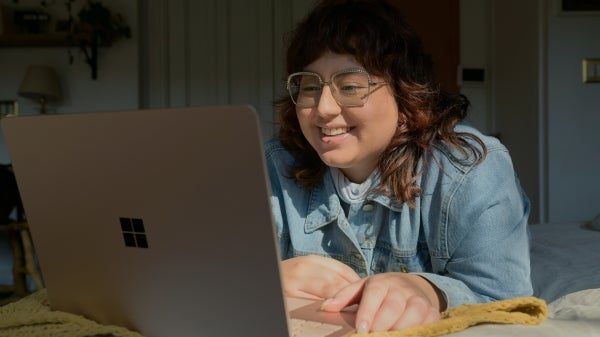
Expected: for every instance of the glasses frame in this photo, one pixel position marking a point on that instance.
(322, 83)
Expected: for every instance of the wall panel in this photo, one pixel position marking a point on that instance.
(216, 52)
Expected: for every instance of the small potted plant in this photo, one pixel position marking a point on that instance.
(94, 26)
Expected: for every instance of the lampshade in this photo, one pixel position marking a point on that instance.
(41, 84)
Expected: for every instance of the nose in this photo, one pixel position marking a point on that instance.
(327, 106)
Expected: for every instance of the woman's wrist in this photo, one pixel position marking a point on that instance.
(433, 293)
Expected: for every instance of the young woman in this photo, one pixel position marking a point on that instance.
(381, 196)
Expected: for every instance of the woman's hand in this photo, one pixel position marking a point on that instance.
(315, 276)
(389, 301)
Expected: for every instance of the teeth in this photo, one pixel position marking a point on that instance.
(334, 131)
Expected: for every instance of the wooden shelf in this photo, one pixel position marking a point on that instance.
(34, 40)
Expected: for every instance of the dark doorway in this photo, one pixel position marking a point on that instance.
(438, 24)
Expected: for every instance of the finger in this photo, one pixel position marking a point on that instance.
(388, 314)
(373, 295)
(330, 277)
(349, 295)
(315, 276)
(418, 311)
(318, 286)
(345, 271)
(330, 284)
(433, 315)
(298, 293)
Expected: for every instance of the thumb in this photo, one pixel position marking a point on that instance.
(348, 296)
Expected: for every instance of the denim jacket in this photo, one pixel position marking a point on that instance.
(467, 234)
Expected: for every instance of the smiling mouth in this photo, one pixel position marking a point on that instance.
(334, 131)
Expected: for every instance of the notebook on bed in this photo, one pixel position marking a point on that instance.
(156, 220)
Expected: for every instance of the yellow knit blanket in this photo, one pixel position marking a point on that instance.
(520, 310)
(32, 317)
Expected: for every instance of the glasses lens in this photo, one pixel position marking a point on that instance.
(351, 88)
(305, 89)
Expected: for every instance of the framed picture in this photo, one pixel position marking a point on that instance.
(591, 70)
(580, 6)
(8, 108)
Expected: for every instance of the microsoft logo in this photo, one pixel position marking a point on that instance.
(133, 232)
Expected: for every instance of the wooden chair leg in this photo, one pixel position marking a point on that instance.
(19, 281)
(31, 266)
(24, 261)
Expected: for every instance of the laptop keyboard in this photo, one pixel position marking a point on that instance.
(304, 328)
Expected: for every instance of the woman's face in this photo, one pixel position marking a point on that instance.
(349, 138)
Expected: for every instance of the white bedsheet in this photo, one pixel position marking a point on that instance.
(565, 258)
(574, 315)
(581, 305)
(565, 267)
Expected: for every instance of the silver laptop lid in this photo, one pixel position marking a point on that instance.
(155, 220)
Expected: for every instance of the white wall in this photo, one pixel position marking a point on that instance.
(216, 52)
(117, 86)
(516, 55)
(501, 37)
(573, 117)
(475, 52)
(535, 99)
(229, 51)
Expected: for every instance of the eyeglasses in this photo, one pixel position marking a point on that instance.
(349, 87)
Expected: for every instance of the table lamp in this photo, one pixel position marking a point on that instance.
(42, 85)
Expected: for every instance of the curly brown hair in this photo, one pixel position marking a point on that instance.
(376, 34)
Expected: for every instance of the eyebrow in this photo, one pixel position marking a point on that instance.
(349, 69)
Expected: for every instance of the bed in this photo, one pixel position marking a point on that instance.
(565, 270)
(565, 260)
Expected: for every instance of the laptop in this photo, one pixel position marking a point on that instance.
(158, 221)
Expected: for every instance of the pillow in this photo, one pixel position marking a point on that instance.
(580, 305)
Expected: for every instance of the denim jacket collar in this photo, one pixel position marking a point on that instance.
(324, 207)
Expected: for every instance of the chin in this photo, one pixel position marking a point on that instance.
(334, 162)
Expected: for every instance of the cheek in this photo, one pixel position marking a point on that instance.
(389, 123)
(304, 121)
(387, 114)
